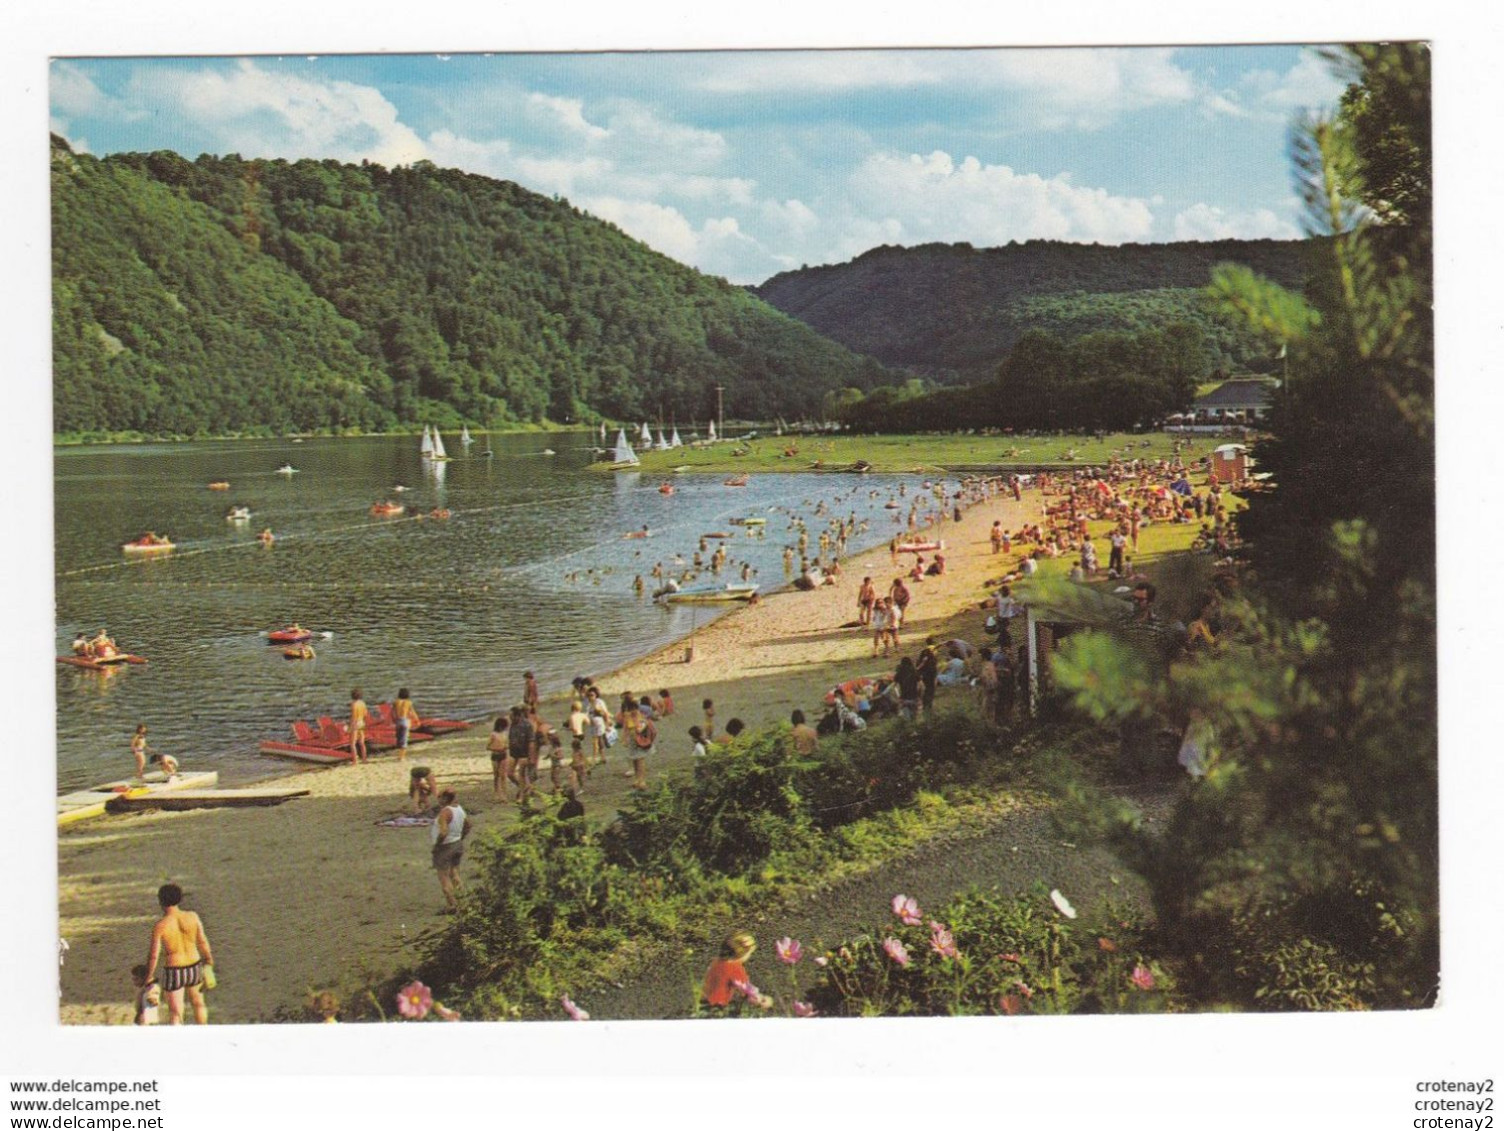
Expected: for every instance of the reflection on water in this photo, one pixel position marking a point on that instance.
(531, 571)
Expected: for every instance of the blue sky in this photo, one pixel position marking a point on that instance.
(744, 164)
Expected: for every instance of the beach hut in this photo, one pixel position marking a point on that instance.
(1230, 463)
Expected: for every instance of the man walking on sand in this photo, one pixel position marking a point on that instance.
(179, 935)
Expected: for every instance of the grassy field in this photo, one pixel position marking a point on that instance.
(910, 453)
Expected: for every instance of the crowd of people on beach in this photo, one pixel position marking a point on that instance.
(627, 733)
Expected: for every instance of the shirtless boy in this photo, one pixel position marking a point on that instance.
(179, 936)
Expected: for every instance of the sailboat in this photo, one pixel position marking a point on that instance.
(603, 431)
(712, 432)
(624, 455)
(662, 445)
(645, 436)
(433, 444)
(674, 441)
(465, 439)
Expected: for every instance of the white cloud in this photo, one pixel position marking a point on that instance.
(262, 114)
(718, 246)
(933, 198)
(72, 92)
(566, 112)
(1208, 222)
(1273, 96)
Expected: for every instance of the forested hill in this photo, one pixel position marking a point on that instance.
(952, 310)
(224, 295)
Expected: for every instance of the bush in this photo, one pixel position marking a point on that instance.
(989, 954)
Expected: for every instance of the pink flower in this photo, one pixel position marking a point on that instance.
(444, 1012)
(942, 941)
(414, 1000)
(803, 1009)
(896, 951)
(574, 1011)
(1142, 977)
(752, 994)
(1023, 988)
(788, 950)
(1010, 1004)
(908, 910)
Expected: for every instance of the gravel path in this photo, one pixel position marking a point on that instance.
(1011, 853)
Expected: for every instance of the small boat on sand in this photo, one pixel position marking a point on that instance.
(87, 803)
(709, 594)
(219, 485)
(919, 547)
(387, 509)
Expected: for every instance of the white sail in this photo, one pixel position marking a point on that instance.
(662, 444)
(427, 448)
(645, 436)
(674, 441)
(438, 445)
(624, 452)
(603, 431)
(712, 430)
(465, 435)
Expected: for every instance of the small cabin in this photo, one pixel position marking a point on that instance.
(1230, 463)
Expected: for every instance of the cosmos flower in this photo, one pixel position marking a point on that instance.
(942, 941)
(1142, 977)
(1023, 988)
(908, 910)
(414, 1000)
(574, 1011)
(803, 1009)
(753, 995)
(1010, 1004)
(1062, 904)
(896, 951)
(788, 950)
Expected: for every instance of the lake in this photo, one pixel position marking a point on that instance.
(453, 609)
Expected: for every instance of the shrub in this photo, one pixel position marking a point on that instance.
(988, 954)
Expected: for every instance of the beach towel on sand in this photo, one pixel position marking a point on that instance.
(405, 821)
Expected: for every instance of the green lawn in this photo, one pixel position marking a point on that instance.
(909, 453)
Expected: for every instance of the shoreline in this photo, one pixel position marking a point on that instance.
(286, 891)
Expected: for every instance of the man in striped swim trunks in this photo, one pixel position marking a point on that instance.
(179, 936)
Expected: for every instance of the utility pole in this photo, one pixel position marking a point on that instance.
(720, 411)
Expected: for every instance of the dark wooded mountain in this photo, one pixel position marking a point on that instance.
(223, 295)
(954, 312)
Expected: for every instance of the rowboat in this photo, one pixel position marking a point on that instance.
(219, 485)
(710, 594)
(295, 634)
(735, 481)
(749, 522)
(148, 544)
(87, 803)
(180, 799)
(387, 510)
(716, 534)
(101, 663)
(666, 489)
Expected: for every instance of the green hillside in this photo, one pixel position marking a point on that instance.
(954, 312)
(223, 295)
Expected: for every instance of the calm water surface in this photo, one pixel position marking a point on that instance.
(454, 610)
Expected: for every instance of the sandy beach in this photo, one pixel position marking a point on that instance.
(315, 893)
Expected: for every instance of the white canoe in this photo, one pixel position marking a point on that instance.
(87, 803)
